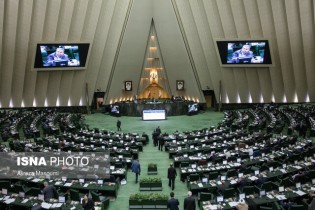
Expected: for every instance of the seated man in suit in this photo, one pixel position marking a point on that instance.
(58, 58)
(87, 203)
(243, 55)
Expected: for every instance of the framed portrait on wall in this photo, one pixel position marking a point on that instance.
(128, 85)
(180, 85)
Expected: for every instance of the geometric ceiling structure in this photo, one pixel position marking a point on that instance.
(153, 82)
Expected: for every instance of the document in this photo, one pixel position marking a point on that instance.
(46, 205)
(11, 200)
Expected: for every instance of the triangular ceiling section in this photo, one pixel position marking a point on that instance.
(153, 82)
(134, 48)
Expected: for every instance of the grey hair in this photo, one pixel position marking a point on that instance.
(189, 193)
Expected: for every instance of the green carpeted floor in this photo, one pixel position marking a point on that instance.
(150, 153)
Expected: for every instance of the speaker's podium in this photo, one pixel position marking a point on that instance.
(98, 100)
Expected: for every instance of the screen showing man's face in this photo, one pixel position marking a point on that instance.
(59, 52)
(245, 49)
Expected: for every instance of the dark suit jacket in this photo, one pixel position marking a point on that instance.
(171, 173)
(189, 203)
(172, 204)
(89, 205)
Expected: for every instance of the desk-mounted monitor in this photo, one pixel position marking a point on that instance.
(244, 52)
(220, 199)
(61, 56)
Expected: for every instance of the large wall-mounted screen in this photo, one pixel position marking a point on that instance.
(154, 114)
(61, 56)
(244, 53)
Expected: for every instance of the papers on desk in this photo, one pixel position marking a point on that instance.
(56, 205)
(283, 171)
(253, 178)
(58, 183)
(46, 205)
(68, 184)
(270, 196)
(6, 198)
(300, 193)
(233, 182)
(86, 185)
(200, 185)
(35, 180)
(10, 200)
(232, 204)
(210, 207)
(24, 201)
(281, 197)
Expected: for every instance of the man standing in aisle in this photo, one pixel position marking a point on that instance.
(161, 142)
(171, 175)
(172, 203)
(118, 125)
(135, 168)
(189, 202)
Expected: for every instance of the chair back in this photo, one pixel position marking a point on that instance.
(74, 195)
(229, 193)
(213, 175)
(204, 196)
(193, 177)
(269, 186)
(250, 190)
(298, 207)
(184, 164)
(95, 196)
(265, 208)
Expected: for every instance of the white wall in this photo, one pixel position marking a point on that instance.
(288, 24)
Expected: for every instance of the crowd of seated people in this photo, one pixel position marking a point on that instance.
(197, 146)
(242, 134)
(67, 132)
